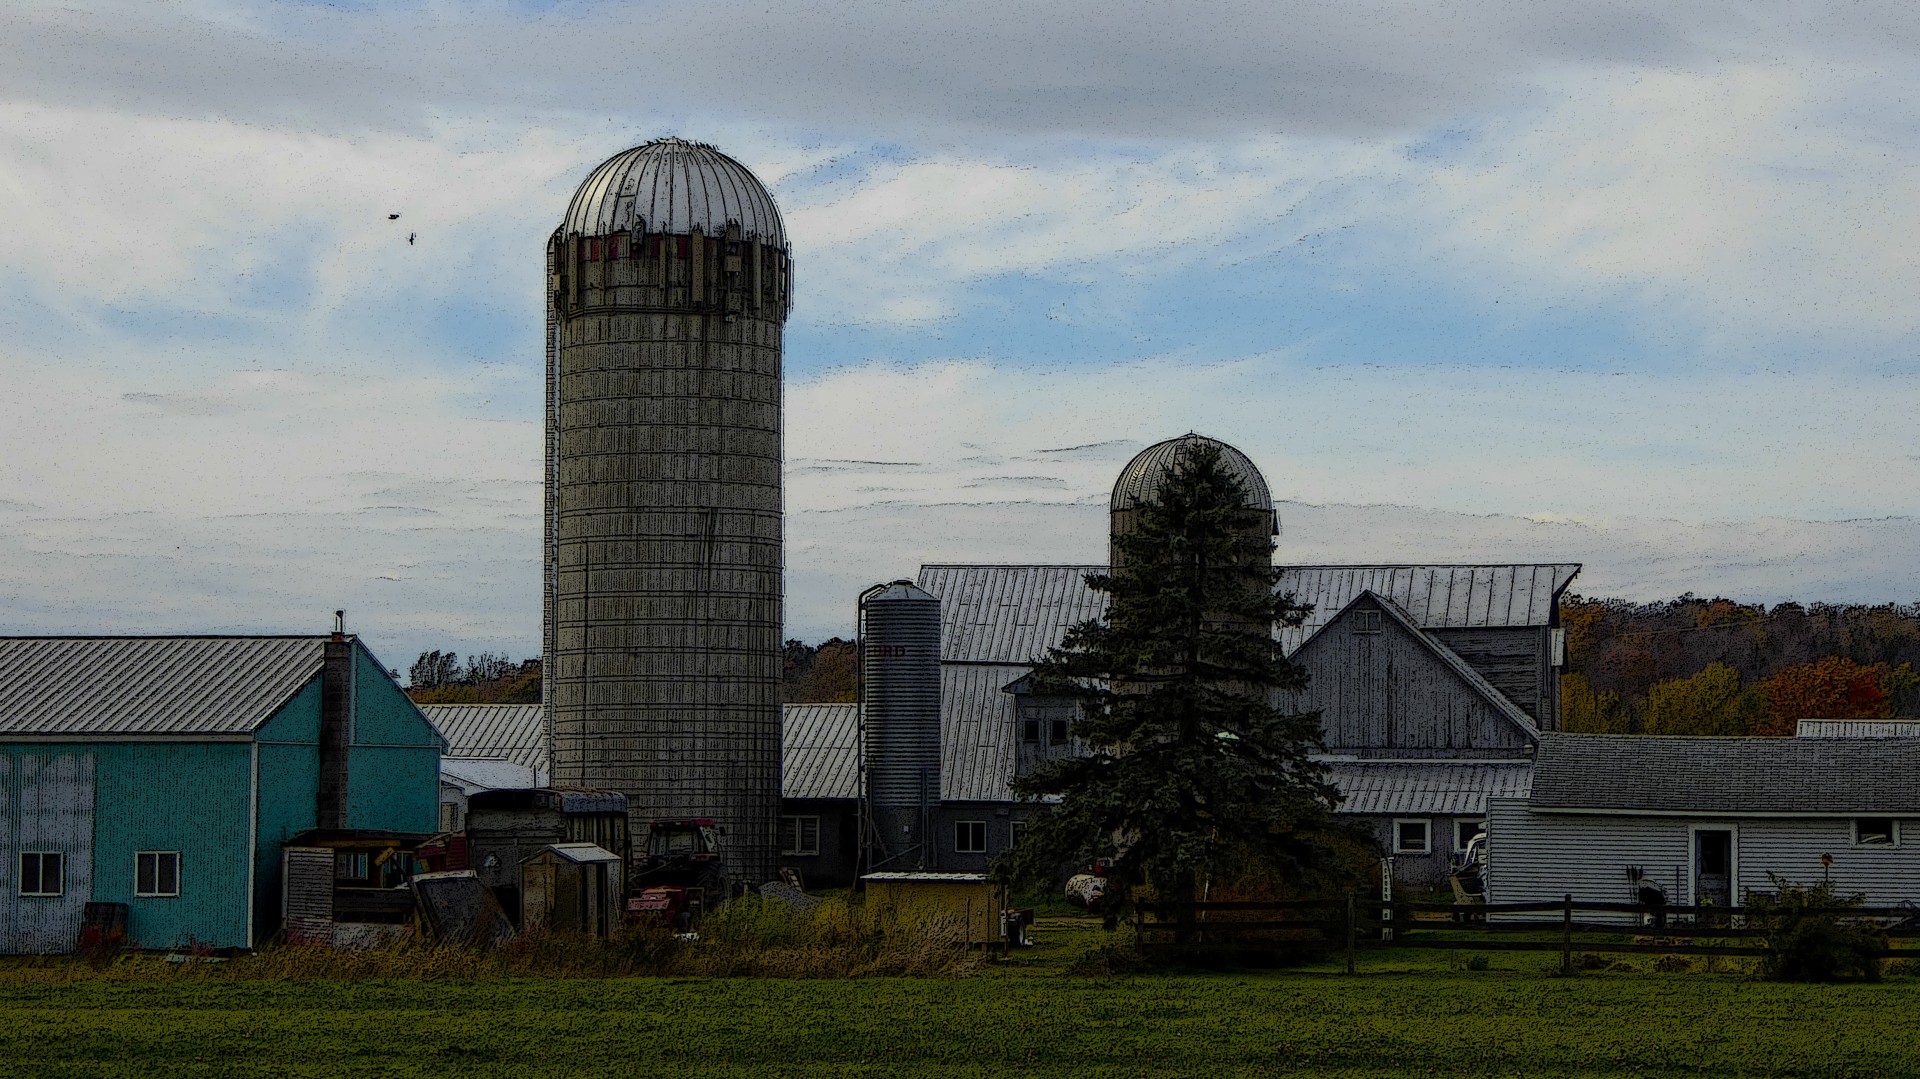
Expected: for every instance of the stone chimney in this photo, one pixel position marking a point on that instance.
(336, 725)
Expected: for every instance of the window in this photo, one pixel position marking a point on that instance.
(1366, 621)
(42, 872)
(1030, 731)
(156, 873)
(1059, 732)
(449, 816)
(1465, 830)
(1014, 830)
(1876, 832)
(1410, 837)
(970, 837)
(799, 835)
(351, 865)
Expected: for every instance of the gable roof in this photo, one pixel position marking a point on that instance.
(1433, 597)
(150, 685)
(514, 732)
(1474, 679)
(820, 754)
(1008, 614)
(1834, 777)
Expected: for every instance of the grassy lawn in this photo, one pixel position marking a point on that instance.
(1406, 1014)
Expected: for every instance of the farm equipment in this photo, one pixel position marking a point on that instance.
(679, 874)
(1469, 873)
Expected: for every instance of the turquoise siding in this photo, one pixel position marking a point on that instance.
(188, 797)
(194, 797)
(393, 770)
(289, 788)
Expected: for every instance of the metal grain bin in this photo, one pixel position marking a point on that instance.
(900, 691)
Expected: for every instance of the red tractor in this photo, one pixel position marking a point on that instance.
(679, 874)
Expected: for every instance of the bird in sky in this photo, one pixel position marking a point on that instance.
(410, 237)
(393, 217)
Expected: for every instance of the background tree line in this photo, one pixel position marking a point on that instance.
(487, 678)
(1717, 666)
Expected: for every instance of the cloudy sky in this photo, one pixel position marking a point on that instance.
(1630, 284)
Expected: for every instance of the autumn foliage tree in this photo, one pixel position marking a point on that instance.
(1832, 688)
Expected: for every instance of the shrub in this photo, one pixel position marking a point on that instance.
(1673, 964)
(1806, 939)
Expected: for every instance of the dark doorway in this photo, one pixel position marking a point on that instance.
(1713, 867)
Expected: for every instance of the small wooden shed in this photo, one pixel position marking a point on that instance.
(570, 888)
(970, 898)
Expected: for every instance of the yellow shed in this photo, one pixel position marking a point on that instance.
(970, 897)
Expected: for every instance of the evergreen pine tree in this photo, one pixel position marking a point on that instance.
(1192, 771)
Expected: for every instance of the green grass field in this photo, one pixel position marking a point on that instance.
(1406, 1014)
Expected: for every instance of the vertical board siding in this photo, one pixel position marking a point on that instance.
(394, 789)
(383, 714)
(191, 798)
(48, 798)
(1389, 692)
(1513, 661)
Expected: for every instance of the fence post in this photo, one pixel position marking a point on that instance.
(1349, 932)
(1566, 935)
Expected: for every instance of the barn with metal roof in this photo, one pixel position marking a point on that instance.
(159, 775)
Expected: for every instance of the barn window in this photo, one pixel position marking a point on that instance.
(42, 872)
(1366, 621)
(1059, 732)
(970, 837)
(1876, 832)
(1015, 829)
(1030, 731)
(156, 873)
(1465, 830)
(1411, 837)
(800, 835)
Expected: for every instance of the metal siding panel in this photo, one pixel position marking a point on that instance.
(186, 797)
(52, 810)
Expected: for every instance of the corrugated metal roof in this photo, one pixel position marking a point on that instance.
(1837, 776)
(486, 774)
(673, 186)
(820, 751)
(509, 731)
(150, 685)
(1448, 788)
(1858, 728)
(1008, 614)
(1435, 597)
(976, 732)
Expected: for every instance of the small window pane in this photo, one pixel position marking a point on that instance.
(1030, 731)
(41, 873)
(1465, 830)
(970, 836)
(1410, 837)
(1874, 832)
(1059, 732)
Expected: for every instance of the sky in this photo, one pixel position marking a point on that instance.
(1630, 284)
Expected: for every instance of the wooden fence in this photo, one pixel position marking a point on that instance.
(1353, 924)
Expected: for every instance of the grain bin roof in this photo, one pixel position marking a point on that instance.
(150, 685)
(673, 186)
(1140, 480)
(1833, 777)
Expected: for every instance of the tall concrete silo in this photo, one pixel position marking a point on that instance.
(1140, 482)
(900, 723)
(668, 286)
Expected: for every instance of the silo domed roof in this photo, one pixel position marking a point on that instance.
(1143, 475)
(673, 186)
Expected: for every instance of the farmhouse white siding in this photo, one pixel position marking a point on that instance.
(1535, 857)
